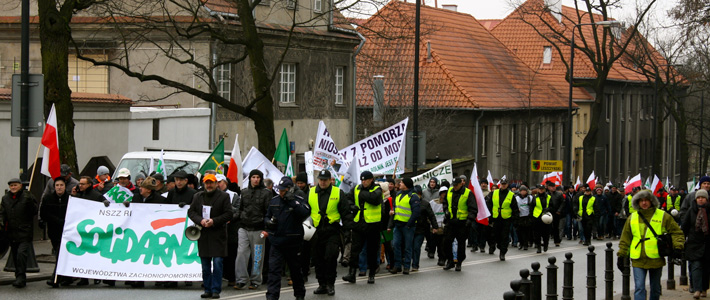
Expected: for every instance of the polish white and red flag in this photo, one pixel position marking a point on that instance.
(483, 212)
(577, 184)
(489, 178)
(555, 177)
(657, 184)
(592, 180)
(234, 174)
(632, 183)
(50, 141)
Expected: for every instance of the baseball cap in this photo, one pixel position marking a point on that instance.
(64, 170)
(220, 177)
(209, 177)
(124, 172)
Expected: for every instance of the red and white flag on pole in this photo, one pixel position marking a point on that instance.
(592, 180)
(577, 184)
(632, 183)
(234, 174)
(50, 141)
(657, 184)
(490, 181)
(483, 212)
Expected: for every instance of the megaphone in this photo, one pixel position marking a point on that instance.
(546, 218)
(674, 212)
(308, 229)
(193, 232)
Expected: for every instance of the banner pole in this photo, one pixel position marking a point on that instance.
(34, 166)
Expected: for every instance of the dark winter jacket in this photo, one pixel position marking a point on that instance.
(615, 200)
(108, 185)
(154, 197)
(427, 219)
(184, 195)
(89, 194)
(253, 206)
(695, 245)
(53, 212)
(213, 240)
(286, 216)
(17, 213)
(346, 217)
(470, 203)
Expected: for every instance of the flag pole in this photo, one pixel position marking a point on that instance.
(34, 166)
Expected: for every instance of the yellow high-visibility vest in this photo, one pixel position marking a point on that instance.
(538, 206)
(649, 245)
(372, 213)
(462, 212)
(505, 211)
(590, 206)
(402, 208)
(331, 210)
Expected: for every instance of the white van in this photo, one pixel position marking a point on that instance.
(139, 162)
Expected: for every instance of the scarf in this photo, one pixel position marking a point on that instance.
(701, 221)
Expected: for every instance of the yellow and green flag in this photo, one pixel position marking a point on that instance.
(283, 150)
(215, 161)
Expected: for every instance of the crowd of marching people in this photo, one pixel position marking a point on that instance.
(254, 236)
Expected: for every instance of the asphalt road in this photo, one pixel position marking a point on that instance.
(483, 277)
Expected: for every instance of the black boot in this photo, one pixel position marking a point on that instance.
(544, 248)
(321, 290)
(371, 277)
(458, 267)
(351, 277)
(449, 265)
(539, 250)
(331, 289)
(441, 262)
(502, 255)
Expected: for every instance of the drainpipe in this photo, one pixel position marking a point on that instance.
(332, 27)
(475, 147)
(213, 117)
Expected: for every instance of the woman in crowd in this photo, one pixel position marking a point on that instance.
(696, 229)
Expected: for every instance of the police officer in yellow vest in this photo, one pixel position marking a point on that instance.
(460, 211)
(403, 222)
(539, 207)
(503, 210)
(626, 205)
(328, 208)
(583, 208)
(638, 243)
(366, 203)
(673, 202)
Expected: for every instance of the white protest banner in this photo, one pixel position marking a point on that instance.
(308, 157)
(119, 194)
(144, 242)
(442, 171)
(256, 160)
(351, 178)
(379, 152)
(324, 149)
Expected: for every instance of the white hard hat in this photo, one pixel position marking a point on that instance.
(443, 189)
(674, 212)
(546, 218)
(124, 172)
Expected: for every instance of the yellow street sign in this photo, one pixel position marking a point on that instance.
(537, 165)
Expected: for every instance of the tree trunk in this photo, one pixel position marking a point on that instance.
(590, 141)
(264, 116)
(54, 36)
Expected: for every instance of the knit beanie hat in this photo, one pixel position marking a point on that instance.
(408, 183)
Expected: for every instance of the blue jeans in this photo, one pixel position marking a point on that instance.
(403, 238)
(618, 225)
(700, 277)
(212, 274)
(417, 249)
(640, 283)
(362, 259)
(602, 225)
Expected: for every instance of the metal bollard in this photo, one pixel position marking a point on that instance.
(609, 272)
(683, 272)
(551, 279)
(536, 278)
(670, 283)
(626, 280)
(591, 274)
(568, 278)
(525, 284)
(515, 285)
(509, 295)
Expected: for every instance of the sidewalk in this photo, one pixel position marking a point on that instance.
(680, 292)
(45, 260)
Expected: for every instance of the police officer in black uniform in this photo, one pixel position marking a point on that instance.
(504, 209)
(460, 211)
(328, 207)
(284, 229)
(366, 204)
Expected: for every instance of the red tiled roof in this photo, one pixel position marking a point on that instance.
(489, 23)
(468, 69)
(516, 31)
(6, 95)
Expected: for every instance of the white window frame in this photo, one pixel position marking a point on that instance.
(339, 85)
(224, 79)
(287, 83)
(318, 5)
(547, 55)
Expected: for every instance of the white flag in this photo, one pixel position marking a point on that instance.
(256, 160)
(351, 178)
(289, 168)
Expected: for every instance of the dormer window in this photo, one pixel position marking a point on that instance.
(547, 55)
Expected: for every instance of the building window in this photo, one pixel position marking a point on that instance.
(498, 139)
(546, 55)
(609, 103)
(621, 108)
(513, 138)
(288, 83)
(224, 76)
(525, 138)
(339, 80)
(317, 5)
(291, 4)
(540, 139)
(484, 140)
(84, 77)
(553, 136)
(156, 129)
(631, 107)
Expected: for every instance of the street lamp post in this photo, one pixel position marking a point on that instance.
(567, 174)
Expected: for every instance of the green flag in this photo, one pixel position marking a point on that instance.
(215, 161)
(283, 151)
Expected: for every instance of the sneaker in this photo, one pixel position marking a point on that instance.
(253, 286)
(414, 269)
(431, 254)
(240, 286)
(405, 271)
(395, 270)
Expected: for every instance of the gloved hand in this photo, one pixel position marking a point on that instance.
(620, 262)
(182, 204)
(107, 203)
(447, 215)
(126, 203)
(354, 209)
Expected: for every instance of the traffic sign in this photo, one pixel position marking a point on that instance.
(36, 106)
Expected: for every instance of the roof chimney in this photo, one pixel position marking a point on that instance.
(451, 7)
(555, 7)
